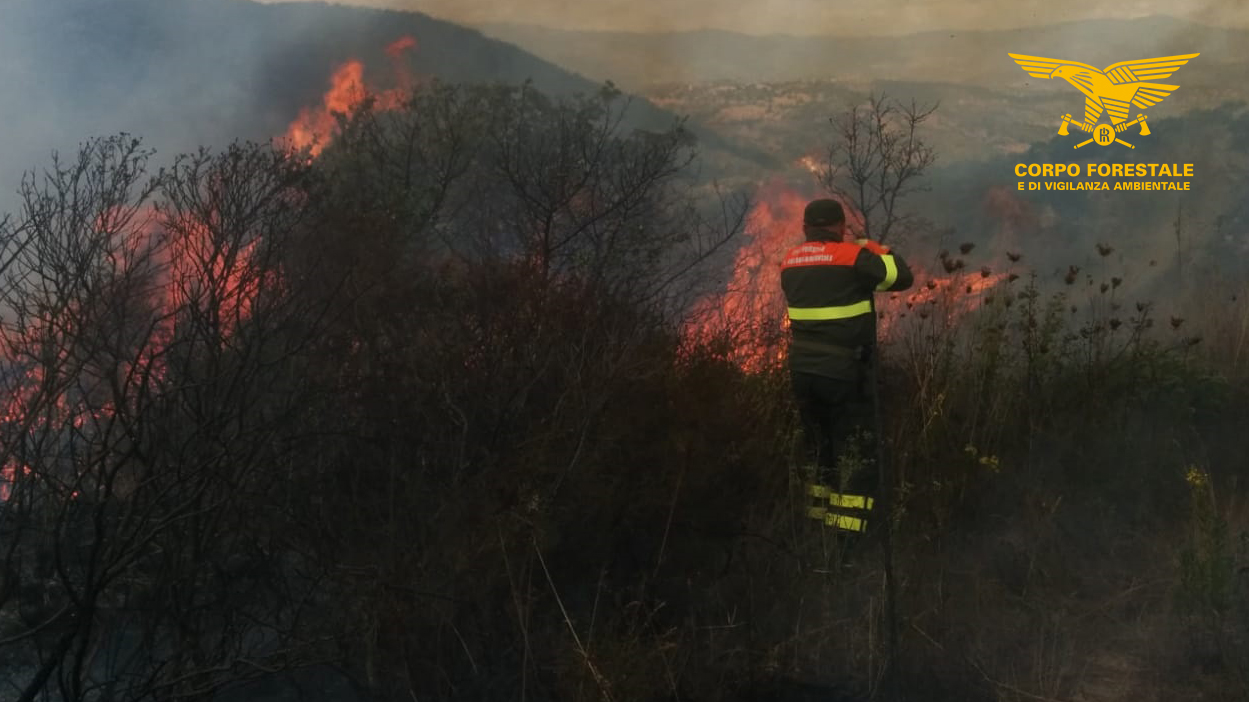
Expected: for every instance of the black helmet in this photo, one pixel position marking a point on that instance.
(823, 213)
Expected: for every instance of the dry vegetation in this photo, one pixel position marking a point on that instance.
(416, 422)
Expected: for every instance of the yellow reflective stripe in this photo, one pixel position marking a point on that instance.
(839, 521)
(891, 272)
(839, 500)
(850, 501)
(806, 314)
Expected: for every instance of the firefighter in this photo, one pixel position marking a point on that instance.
(829, 283)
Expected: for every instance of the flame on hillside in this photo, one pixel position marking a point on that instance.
(749, 315)
(938, 298)
(191, 268)
(314, 127)
(396, 48)
(166, 272)
(747, 322)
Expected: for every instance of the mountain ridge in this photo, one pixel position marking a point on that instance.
(186, 73)
(636, 60)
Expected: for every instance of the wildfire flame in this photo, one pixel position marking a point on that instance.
(314, 126)
(811, 165)
(947, 298)
(192, 266)
(749, 314)
(396, 48)
(185, 267)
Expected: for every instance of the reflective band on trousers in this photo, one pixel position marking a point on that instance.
(839, 521)
(891, 272)
(837, 499)
(807, 314)
(851, 501)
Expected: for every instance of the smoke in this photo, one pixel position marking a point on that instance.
(185, 73)
(812, 17)
(176, 73)
(182, 74)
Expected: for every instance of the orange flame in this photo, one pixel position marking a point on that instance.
(948, 298)
(193, 266)
(314, 126)
(750, 312)
(190, 270)
(396, 48)
(193, 269)
(200, 266)
(749, 315)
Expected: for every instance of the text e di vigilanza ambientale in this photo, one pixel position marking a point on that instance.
(1145, 173)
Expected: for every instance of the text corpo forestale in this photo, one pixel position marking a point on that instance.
(1104, 170)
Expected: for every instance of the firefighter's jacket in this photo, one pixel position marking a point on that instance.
(828, 288)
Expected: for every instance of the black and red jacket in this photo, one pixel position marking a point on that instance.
(828, 288)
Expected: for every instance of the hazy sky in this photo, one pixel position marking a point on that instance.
(813, 16)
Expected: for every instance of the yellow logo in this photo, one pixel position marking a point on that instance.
(1112, 91)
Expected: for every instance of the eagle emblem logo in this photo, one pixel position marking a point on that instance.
(1111, 91)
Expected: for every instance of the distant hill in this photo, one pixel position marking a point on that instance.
(980, 134)
(636, 60)
(181, 73)
(1057, 229)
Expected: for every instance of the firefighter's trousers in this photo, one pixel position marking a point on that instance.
(838, 417)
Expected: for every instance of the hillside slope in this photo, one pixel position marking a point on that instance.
(184, 73)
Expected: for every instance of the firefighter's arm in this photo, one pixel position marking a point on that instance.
(872, 246)
(885, 271)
